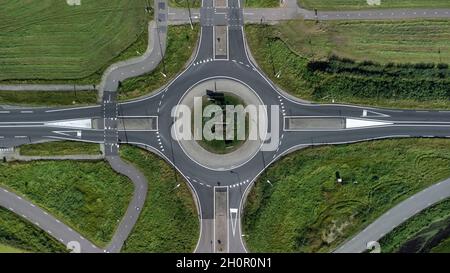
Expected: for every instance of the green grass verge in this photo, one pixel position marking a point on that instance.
(48, 98)
(168, 221)
(60, 148)
(261, 3)
(88, 196)
(363, 4)
(18, 235)
(48, 40)
(343, 81)
(183, 4)
(425, 232)
(181, 42)
(307, 211)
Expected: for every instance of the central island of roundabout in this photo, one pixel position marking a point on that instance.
(217, 123)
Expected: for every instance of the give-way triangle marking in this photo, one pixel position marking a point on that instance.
(69, 133)
(372, 114)
(233, 213)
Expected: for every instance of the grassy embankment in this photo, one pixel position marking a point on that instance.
(88, 196)
(168, 221)
(18, 235)
(429, 231)
(60, 148)
(307, 211)
(301, 53)
(181, 42)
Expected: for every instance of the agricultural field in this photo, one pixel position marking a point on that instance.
(56, 148)
(88, 196)
(412, 41)
(18, 235)
(428, 231)
(307, 71)
(168, 221)
(306, 210)
(368, 4)
(181, 43)
(51, 40)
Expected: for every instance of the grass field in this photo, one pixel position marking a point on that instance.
(181, 43)
(88, 196)
(261, 3)
(50, 40)
(60, 148)
(48, 98)
(379, 41)
(279, 51)
(168, 221)
(424, 232)
(18, 235)
(307, 211)
(363, 4)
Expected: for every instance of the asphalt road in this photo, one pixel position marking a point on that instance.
(290, 10)
(32, 125)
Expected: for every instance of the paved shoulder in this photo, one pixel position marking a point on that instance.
(396, 216)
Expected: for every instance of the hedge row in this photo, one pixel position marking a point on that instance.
(369, 68)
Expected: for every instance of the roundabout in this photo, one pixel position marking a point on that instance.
(236, 142)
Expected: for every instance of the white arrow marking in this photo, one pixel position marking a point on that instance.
(233, 221)
(351, 123)
(76, 123)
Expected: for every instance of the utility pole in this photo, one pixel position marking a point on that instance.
(190, 16)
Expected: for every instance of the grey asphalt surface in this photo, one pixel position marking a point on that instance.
(396, 216)
(290, 10)
(27, 125)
